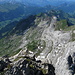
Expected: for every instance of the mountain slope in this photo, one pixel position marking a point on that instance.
(49, 38)
(67, 7)
(35, 25)
(19, 11)
(42, 44)
(7, 10)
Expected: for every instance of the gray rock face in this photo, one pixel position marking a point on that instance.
(58, 49)
(57, 58)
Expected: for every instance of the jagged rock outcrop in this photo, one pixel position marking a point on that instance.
(26, 66)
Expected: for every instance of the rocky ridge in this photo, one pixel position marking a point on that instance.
(56, 56)
(58, 48)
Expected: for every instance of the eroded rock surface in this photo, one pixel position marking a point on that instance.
(57, 57)
(58, 48)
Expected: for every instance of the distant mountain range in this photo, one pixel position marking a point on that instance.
(38, 2)
(11, 11)
(67, 7)
(64, 5)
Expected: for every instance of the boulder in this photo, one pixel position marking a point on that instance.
(2, 65)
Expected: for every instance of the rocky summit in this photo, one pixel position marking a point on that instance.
(45, 48)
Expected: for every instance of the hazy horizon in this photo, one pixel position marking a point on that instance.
(40, 2)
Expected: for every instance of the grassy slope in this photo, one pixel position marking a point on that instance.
(10, 45)
(7, 7)
(62, 24)
(10, 11)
